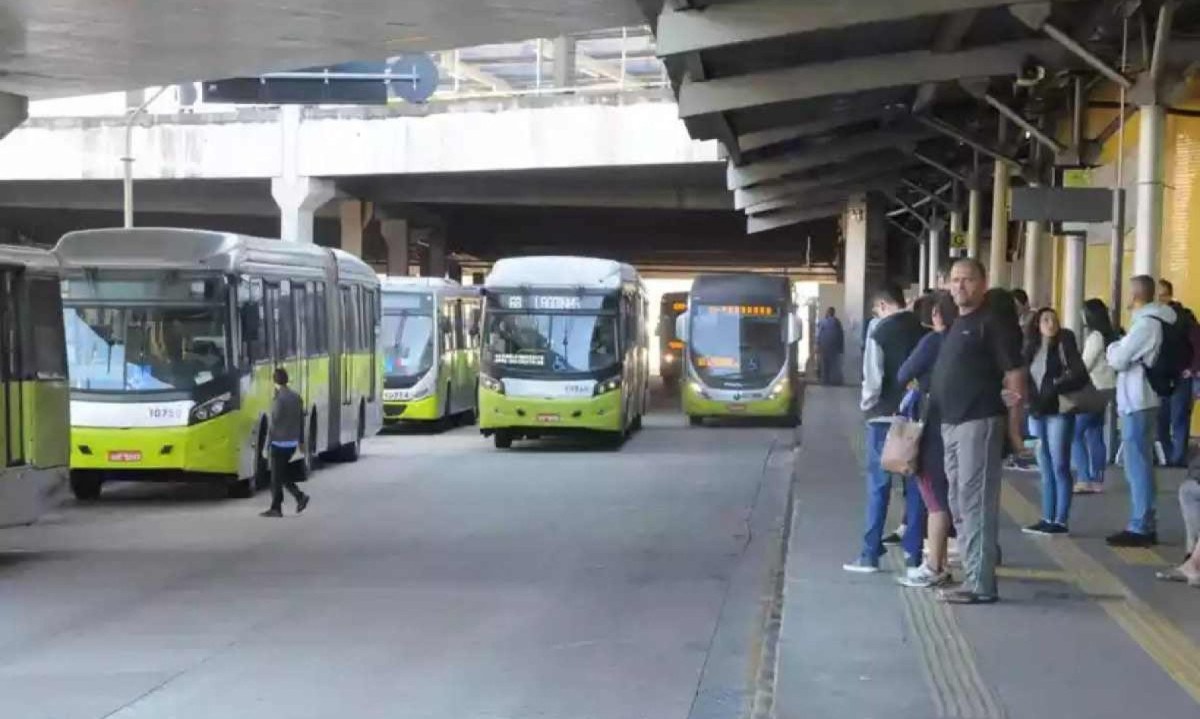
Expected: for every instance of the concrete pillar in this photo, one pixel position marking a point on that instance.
(435, 256)
(998, 257)
(866, 263)
(1031, 280)
(923, 268)
(395, 236)
(352, 213)
(1148, 232)
(935, 253)
(564, 61)
(298, 200)
(974, 220)
(1073, 281)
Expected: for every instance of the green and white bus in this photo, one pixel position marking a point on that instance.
(430, 347)
(172, 338)
(565, 349)
(34, 423)
(741, 332)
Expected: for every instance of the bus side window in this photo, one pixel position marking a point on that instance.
(46, 358)
(252, 318)
(320, 319)
(460, 339)
(303, 331)
(287, 322)
(347, 319)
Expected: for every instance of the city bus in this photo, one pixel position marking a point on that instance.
(565, 349)
(670, 347)
(430, 347)
(741, 332)
(34, 423)
(172, 336)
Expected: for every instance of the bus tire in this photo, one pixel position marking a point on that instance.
(502, 440)
(637, 424)
(695, 420)
(241, 488)
(86, 487)
(261, 479)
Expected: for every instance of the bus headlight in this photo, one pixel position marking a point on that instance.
(668, 359)
(491, 384)
(779, 388)
(612, 384)
(214, 407)
(698, 388)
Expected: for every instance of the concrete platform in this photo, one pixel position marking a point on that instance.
(1081, 631)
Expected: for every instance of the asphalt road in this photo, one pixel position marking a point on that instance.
(436, 577)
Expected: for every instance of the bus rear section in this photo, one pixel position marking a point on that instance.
(741, 334)
(565, 350)
(670, 347)
(430, 348)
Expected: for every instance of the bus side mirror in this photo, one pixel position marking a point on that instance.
(681, 328)
(795, 329)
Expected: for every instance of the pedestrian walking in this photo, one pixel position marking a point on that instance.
(1089, 453)
(978, 385)
(831, 344)
(1055, 368)
(890, 340)
(287, 438)
(1135, 357)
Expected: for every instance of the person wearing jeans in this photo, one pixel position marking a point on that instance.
(1137, 405)
(1089, 453)
(1055, 369)
(1175, 412)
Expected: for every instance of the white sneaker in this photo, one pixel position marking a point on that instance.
(923, 577)
(861, 566)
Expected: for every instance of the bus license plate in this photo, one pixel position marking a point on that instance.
(548, 418)
(737, 408)
(124, 456)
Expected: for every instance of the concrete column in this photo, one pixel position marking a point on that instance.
(1031, 280)
(564, 61)
(298, 200)
(935, 253)
(866, 262)
(1148, 232)
(352, 213)
(435, 256)
(923, 268)
(395, 236)
(1073, 281)
(956, 226)
(998, 257)
(974, 221)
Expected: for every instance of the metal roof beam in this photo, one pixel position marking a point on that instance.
(463, 70)
(845, 175)
(954, 133)
(952, 174)
(683, 31)
(777, 136)
(949, 37)
(824, 194)
(846, 77)
(841, 150)
(796, 216)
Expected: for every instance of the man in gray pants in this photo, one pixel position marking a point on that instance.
(287, 437)
(978, 367)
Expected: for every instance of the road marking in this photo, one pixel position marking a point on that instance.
(1029, 574)
(1162, 640)
(1142, 556)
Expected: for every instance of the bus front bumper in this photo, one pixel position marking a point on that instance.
(421, 410)
(211, 447)
(753, 403)
(531, 415)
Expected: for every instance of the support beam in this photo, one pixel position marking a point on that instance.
(846, 176)
(1073, 282)
(927, 195)
(974, 220)
(299, 198)
(923, 263)
(954, 133)
(952, 174)
(949, 37)
(456, 68)
(998, 255)
(564, 61)
(1150, 187)
(14, 110)
(1032, 277)
(909, 209)
(727, 24)
(1162, 38)
(775, 220)
(1036, 16)
(352, 214)
(847, 77)
(822, 194)
(590, 65)
(777, 136)
(830, 153)
(865, 232)
(909, 233)
(396, 237)
(936, 235)
(1036, 132)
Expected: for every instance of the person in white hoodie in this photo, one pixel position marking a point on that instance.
(1089, 454)
(1137, 405)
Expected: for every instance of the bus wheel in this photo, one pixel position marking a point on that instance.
(695, 421)
(85, 487)
(502, 440)
(637, 424)
(262, 465)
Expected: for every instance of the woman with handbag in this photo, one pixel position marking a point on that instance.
(1089, 454)
(1056, 372)
(939, 313)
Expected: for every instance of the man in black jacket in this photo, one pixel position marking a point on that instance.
(1175, 412)
(287, 438)
(891, 337)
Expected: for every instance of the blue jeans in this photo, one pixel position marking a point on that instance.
(1054, 462)
(879, 490)
(1089, 455)
(1137, 433)
(1175, 423)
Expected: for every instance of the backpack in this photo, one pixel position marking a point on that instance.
(1174, 357)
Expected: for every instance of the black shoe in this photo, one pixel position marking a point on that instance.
(1132, 539)
(271, 513)
(893, 538)
(1042, 528)
(302, 503)
(1057, 530)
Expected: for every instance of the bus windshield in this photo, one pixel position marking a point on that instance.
(407, 343)
(738, 345)
(559, 343)
(145, 349)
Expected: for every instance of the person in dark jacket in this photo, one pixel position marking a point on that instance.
(831, 343)
(891, 338)
(1175, 412)
(934, 487)
(1054, 368)
(287, 438)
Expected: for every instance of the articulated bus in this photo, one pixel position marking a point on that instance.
(741, 360)
(172, 339)
(565, 349)
(34, 424)
(670, 347)
(430, 347)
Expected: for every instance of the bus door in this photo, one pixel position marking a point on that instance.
(297, 316)
(12, 425)
(349, 330)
